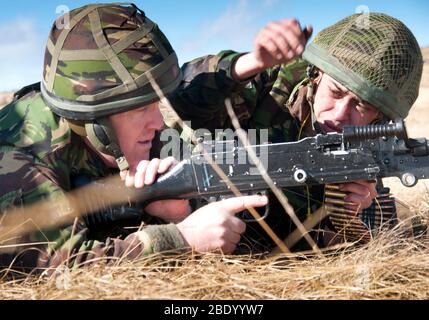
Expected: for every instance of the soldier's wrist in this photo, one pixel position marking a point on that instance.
(159, 238)
(227, 66)
(246, 67)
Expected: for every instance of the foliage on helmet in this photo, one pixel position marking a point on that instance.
(375, 56)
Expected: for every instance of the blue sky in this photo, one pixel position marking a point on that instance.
(194, 27)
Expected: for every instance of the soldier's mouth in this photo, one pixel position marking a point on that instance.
(145, 142)
(330, 127)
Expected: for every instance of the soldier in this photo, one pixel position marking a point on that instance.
(95, 114)
(353, 73)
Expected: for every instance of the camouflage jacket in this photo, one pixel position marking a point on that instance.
(39, 155)
(270, 100)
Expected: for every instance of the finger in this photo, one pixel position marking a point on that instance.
(129, 180)
(362, 202)
(140, 174)
(296, 43)
(294, 26)
(152, 171)
(237, 225)
(277, 35)
(270, 46)
(155, 206)
(371, 185)
(296, 35)
(228, 247)
(237, 204)
(166, 164)
(356, 188)
(123, 174)
(233, 238)
(142, 165)
(284, 48)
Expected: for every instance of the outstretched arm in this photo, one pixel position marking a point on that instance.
(279, 42)
(244, 77)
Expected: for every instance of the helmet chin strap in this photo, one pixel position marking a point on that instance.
(102, 136)
(312, 74)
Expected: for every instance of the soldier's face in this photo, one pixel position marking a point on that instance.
(135, 131)
(335, 106)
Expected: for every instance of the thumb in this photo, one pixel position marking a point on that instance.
(238, 204)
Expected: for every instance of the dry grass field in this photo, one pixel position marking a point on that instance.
(392, 266)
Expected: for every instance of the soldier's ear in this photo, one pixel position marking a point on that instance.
(103, 137)
(316, 78)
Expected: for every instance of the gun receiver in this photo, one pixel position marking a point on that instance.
(359, 152)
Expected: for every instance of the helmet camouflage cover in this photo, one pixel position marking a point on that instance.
(373, 55)
(101, 62)
(98, 64)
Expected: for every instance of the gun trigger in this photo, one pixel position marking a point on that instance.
(266, 212)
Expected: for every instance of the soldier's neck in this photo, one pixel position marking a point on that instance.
(108, 160)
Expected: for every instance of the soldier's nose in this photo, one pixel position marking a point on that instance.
(342, 110)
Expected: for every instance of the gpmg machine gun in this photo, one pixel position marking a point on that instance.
(358, 153)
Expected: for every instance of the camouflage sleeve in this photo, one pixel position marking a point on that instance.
(23, 181)
(207, 81)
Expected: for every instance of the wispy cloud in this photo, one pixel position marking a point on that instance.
(21, 54)
(235, 27)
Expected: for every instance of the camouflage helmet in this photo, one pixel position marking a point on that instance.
(100, 63)
(373, 55)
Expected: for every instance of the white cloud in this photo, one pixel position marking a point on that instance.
(21, 54)
(234, 28)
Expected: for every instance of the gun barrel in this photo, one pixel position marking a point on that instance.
(375, 131)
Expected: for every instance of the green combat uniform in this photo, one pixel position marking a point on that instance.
(42, 152)
(381, 62)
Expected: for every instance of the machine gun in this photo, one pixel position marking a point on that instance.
(358, 153)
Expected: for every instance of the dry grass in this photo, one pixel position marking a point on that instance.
(390, 267)
(5, 98)
(393, 266)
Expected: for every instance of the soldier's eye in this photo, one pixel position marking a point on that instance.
(363, 108)
(337, 94)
